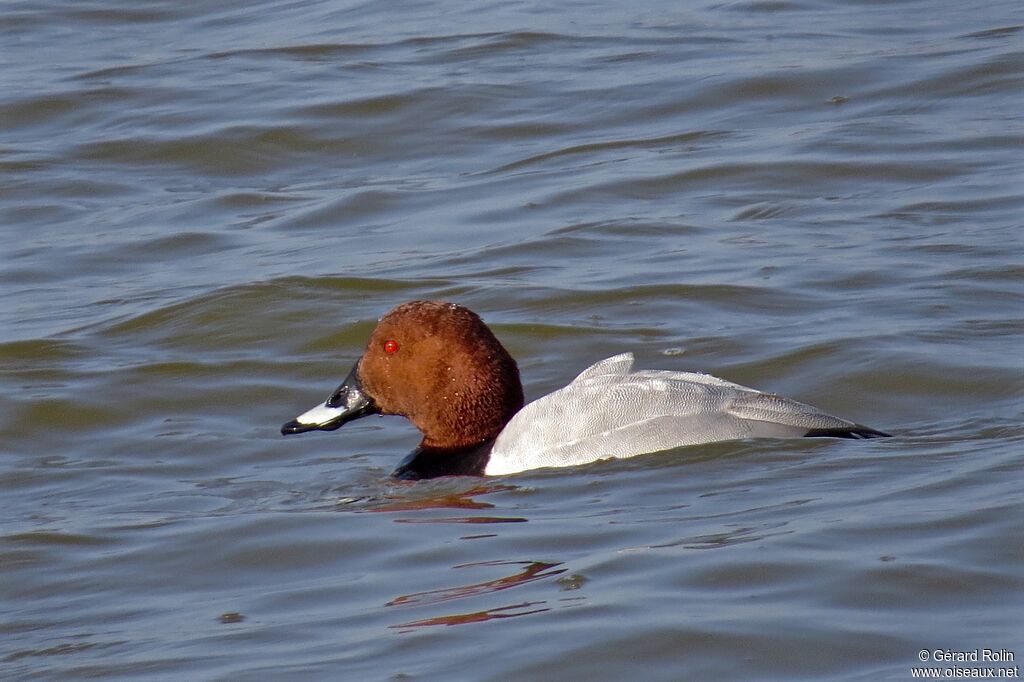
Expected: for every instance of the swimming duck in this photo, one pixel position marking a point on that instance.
(440, 366)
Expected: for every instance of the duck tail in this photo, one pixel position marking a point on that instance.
(856, 432)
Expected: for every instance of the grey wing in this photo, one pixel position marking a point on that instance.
(767, 408)
(611, 414)
(625, 416)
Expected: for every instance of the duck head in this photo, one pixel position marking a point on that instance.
(438, 365)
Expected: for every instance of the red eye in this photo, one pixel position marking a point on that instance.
(390, 346)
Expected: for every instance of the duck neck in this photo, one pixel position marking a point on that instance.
(425, 462)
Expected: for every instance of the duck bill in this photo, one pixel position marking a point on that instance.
(348, 402)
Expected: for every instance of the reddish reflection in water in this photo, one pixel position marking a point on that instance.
(467, 519)
(448, 500)
(510, 611)
(534, 570)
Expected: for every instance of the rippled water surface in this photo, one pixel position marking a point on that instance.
(205, 207)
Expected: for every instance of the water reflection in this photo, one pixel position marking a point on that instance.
(467, 519)
(459, 499)
(534, 570)
(509, 611)
(529, 571)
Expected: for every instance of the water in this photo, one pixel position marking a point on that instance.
(205, 208)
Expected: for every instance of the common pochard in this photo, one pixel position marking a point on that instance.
(441, 367)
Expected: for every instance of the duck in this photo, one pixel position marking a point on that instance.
(440, 366)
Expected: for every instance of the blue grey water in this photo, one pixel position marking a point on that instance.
(204, 207)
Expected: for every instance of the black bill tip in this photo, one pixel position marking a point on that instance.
(295, 426)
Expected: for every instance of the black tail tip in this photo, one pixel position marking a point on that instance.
(858, 432)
